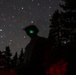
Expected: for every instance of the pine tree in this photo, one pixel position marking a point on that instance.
(8, 55)
(21, 59)
(69, 5)
(69, 22)
(56, 28)
(63, 24)
(0, 59)
(15, 61)
(0, 54)
(69, 17)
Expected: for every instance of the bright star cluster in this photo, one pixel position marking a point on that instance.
(17, 14)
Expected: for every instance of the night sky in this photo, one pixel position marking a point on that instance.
(17, 14)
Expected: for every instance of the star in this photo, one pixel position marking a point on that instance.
(2, 42)
(49, 7)
(10, 40)
(38, 4)
(1, 36)
(32, 0)
(22, 8)
(13, 16)
(9, 43)
(32, 22)
(45, 19)
(4, 19)
(0, 30)
(49, 15)
(24, 36)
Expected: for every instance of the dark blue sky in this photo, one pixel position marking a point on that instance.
(17, 14)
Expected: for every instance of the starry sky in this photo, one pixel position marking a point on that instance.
(17, 14)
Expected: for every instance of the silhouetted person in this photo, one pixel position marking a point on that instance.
(34, 51)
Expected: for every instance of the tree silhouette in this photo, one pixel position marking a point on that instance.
(63, 24)
(0, 59)
(0, 54)
(21, 59)
(63, 32)
(69, 18)
(8, 55)
(69, 5)
(55, 28)
(15, 61)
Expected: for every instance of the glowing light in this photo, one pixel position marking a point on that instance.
(31, 31)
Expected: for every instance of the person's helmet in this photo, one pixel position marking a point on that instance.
(31, 30)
